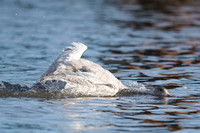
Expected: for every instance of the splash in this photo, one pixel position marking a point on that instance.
(134, 86)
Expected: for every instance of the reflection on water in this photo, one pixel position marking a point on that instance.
(151, 42)
(135, 113)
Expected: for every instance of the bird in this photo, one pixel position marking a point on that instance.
(71, 75)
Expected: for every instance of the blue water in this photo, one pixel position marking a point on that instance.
(148, 46)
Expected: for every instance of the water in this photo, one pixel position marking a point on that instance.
(154, 46)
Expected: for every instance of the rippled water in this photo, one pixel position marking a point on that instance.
(152, 46)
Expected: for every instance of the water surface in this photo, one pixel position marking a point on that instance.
(135, 41)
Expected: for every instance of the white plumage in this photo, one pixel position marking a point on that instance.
(82, 77)
(71, 75)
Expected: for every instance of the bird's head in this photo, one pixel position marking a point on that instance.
(160, 90)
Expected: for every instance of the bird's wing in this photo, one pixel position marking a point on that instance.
(86, 66)
(72, 53)
(69, 54)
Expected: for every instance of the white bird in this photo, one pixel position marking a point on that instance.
(71, 75)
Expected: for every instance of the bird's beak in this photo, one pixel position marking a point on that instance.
(167, 93)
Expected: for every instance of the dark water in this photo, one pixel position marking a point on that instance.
(156, 44)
